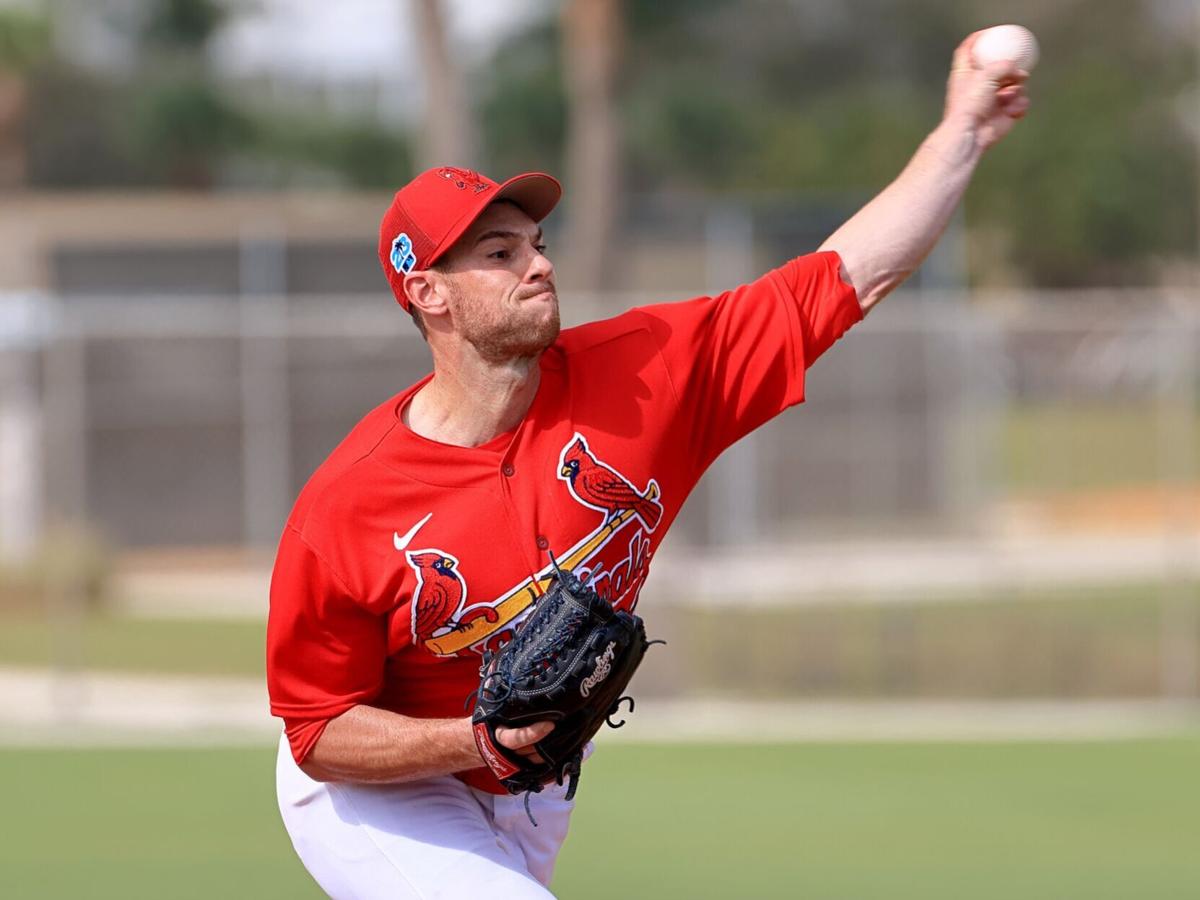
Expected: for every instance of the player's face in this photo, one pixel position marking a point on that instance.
(500, 286)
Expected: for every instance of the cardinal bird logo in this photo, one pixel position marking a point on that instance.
(441, 594)
(463, 179)
(601, 487)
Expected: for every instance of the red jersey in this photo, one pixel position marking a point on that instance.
(404, 559)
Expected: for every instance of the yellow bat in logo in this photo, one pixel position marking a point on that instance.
(527, 592)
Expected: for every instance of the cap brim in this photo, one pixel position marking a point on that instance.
(536, 193)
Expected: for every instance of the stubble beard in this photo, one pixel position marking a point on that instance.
(506, 336)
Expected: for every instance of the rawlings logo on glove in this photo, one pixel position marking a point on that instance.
(603, 667)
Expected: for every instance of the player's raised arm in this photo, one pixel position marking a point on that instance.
(887, 239)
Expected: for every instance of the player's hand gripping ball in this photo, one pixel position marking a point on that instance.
(986, 90)
(1013, 43)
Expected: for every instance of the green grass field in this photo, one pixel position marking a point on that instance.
(896, 821)
(1054, 642)
(116, 643)
(1064, 448)
(1079, 446)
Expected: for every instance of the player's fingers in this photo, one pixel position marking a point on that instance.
(964, 53)
(518, 738)
(1017, 108)
(1005, 72)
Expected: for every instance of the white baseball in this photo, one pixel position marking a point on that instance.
(1007, 42)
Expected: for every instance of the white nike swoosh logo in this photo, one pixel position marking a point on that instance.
(402, 543)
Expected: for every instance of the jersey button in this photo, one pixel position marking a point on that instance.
(508, 470)
(542, 543)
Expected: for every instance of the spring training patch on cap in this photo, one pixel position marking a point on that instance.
(403, 258)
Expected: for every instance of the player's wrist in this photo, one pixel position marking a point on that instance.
(956, 140)
(465, 744)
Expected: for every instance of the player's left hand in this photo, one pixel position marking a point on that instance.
(522, 740)
(988, 100)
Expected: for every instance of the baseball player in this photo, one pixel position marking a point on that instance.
(425, 536)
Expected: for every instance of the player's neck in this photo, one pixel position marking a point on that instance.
(470, 401)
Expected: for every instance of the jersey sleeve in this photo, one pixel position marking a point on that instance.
(738, 359)
(325, 652)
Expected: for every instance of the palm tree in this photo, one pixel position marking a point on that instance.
(593, 40)
(24, 40)
(447, 137)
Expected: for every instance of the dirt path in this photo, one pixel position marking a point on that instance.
(809, 572)
(44, 708)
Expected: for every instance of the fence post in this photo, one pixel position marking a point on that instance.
(266, 419)
(734, 508)
(1177, 410)
(21, 491)
(65, 488)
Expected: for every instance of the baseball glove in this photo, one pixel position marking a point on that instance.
(568, 663)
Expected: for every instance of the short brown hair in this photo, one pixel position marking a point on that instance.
(418, 321)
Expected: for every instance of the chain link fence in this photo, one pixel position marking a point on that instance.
(984, 498)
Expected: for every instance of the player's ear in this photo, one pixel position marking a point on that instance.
(421, 290)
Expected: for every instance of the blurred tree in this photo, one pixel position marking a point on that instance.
(170, 119)
(523, 103)
(184, 26)
(183, 124)
(24, 39)
(593, 39)
(448, 134)
(303, 148)
(1097, 186)
(828, 98)
(24, 42)
(78, 131)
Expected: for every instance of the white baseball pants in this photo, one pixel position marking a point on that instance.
(436, 838)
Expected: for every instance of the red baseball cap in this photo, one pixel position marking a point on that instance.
(432, 211)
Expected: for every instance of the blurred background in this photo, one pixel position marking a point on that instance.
(937, 631)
